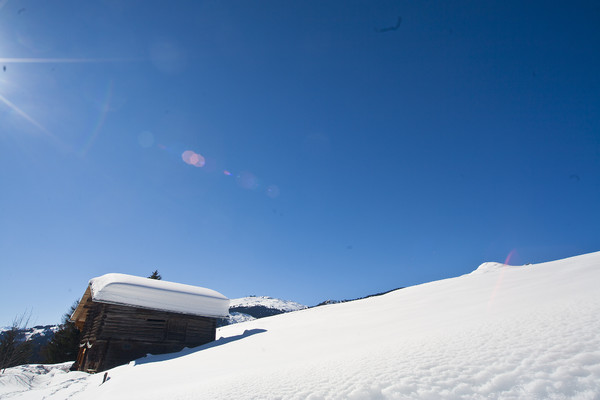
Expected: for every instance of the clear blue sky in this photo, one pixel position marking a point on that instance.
(336, 156)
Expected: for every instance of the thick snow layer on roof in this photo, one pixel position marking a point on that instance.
(158, 295)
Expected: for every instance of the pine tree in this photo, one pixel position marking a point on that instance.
(64, 346)
(155, 275)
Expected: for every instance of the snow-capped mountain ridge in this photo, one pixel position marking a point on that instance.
(266, 301)
(34, 332)
(253, 307)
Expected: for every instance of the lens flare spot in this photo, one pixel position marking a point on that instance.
(186, 156)
(227, 173)
(272, 191)
(247, 180)
(192, 158)
(197, 160)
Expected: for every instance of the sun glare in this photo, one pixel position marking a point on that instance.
(6, 62)
(26, 116)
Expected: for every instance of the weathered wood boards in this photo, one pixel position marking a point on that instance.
(115, 334)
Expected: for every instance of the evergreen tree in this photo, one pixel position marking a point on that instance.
(64, 346)
(155, 275)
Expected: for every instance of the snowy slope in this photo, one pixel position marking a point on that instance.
(528, 332)
(31, 380)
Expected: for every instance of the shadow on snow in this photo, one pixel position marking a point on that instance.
(221, 341)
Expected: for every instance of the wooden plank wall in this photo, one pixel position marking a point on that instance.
(119, 334)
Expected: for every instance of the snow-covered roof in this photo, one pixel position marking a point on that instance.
(153, 294)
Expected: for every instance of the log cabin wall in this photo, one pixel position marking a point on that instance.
(114, 335)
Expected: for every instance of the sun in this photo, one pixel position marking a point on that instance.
(5, 67)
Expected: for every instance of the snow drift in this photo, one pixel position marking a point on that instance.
(511, 332)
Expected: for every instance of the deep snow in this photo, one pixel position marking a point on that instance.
(526, 332)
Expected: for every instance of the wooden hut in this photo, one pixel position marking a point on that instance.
(124, 317)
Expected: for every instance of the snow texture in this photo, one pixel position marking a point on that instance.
(158, 295)
(527, 332)
(39, 381)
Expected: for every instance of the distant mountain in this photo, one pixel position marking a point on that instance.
(254, 307)
(38, 331)
(39, 335)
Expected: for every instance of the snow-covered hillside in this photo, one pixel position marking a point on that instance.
(508, 332)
